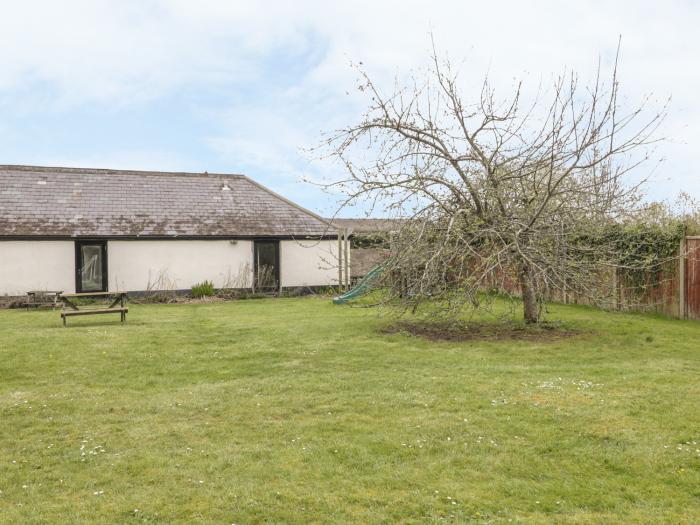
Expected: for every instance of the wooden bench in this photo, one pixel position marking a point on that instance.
(117, 299)
(69, 313)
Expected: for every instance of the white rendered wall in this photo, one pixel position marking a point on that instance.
(309, 263)
(36, 265)
(178, 264)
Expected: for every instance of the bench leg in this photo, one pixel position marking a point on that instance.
(64, 321)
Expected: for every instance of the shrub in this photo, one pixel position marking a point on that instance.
(205, 289)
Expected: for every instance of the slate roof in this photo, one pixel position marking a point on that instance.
(79, 202)
(368, 225)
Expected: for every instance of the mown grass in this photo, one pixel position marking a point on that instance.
(299, 411)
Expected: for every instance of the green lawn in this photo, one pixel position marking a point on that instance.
(299, 411)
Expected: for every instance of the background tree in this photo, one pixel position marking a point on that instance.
(496, 189)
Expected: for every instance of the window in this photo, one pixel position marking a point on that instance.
(91, 266)
(266, 259)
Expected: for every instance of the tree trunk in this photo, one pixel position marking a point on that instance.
(531, 307)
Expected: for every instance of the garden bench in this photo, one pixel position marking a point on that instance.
(118, 299)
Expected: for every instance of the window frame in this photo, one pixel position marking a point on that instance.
(78, 264)
(278, 282)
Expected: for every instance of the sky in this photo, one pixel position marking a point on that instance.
(247, 87)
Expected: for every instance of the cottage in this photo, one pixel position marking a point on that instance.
(84, 230)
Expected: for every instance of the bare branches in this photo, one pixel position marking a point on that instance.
(495, 186)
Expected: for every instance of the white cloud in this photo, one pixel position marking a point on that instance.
(117, 53)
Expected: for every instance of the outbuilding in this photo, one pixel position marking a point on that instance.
(85, 230)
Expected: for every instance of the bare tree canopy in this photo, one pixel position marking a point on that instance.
(495, 187)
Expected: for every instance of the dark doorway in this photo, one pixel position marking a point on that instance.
(91, 266)
(266, 256)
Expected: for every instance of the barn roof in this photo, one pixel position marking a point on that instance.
(79, 202)
(368, 225)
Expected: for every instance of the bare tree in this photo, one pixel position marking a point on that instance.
(495, 189)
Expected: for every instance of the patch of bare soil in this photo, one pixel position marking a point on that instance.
(437, 331)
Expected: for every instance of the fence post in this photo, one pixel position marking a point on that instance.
(347, 259)
(340, 260)
(618, 289)
(681, 278)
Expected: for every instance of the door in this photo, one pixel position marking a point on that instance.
(91, 266)
(692, 278)
(266, 257)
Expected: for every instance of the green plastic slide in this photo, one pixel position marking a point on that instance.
(362, 287)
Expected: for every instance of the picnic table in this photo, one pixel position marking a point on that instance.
(37, 298)
(115, 306)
